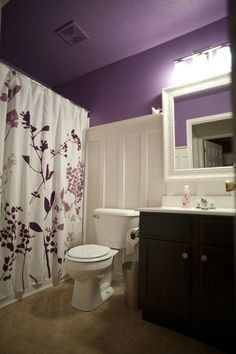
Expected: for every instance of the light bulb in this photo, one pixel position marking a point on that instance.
(222, 60)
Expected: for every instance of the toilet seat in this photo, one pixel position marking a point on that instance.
(89, 253)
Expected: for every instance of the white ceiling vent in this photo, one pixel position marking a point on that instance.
(71, 33)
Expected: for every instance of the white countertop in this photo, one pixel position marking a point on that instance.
(217, 211)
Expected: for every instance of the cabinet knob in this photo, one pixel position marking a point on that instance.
(184, 255)
(203, 258)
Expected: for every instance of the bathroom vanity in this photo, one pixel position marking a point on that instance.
(186, 272)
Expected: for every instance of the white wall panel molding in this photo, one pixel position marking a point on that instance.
(102, 174)
(121, 173)
(155, 176)
(132, 162)
(181, 158)
(123, 157)
(125, 127)
(92, 187)
(111, 172)
(124, 168)
(144, 169)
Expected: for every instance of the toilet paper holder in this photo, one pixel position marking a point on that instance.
(134, 234)
(132, 239)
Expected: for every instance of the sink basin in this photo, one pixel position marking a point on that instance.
(225, 205)
(217, 211)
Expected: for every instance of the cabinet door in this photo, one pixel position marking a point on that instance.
(216, 292)
(165, 269)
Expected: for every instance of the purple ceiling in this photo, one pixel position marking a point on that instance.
(116, 29)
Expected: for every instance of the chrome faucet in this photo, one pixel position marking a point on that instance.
(204, 203)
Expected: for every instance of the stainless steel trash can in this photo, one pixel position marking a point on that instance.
(130, 277)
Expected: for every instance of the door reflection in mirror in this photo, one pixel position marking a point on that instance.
(200, 151)
(210, 141)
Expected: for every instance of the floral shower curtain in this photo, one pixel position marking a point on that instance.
(41, 181)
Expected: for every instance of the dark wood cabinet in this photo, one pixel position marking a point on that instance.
(216, 292)
(186, 274)
(166, 284)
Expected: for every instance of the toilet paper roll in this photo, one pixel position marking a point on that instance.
(132, 239)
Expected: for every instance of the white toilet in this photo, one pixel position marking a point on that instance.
(91, 265)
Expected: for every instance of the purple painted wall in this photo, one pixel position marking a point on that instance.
(130, 87)
(209, 103)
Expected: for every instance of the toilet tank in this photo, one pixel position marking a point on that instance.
(112, 226)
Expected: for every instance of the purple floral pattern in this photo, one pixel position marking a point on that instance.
(62, 149)
(16, 245)
(12, 116)
(11, 92)
(6, 173)
(12, 121)
(75, 178)
(39, 150)
(17, 235)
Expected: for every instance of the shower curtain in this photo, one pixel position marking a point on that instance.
(41, 181)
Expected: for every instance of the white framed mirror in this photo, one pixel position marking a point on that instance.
(198, 130)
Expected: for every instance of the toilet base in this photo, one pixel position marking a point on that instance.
(90, 294)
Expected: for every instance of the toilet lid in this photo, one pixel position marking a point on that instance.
(89, 251)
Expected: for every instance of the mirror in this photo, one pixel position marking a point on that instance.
(209, 142)
(198, 130)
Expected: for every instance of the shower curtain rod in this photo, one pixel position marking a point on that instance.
(21, 72)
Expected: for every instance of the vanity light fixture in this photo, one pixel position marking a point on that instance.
(200, 65)
(222, 59)
(180, 70)
(203, 64)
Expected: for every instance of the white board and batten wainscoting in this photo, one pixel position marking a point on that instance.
(181, 157)
(124, 170)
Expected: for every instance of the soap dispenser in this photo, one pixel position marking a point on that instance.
(185, 199)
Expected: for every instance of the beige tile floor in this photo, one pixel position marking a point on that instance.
(45, 323)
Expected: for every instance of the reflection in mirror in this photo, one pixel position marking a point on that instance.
(210, 141)
(205, 141)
